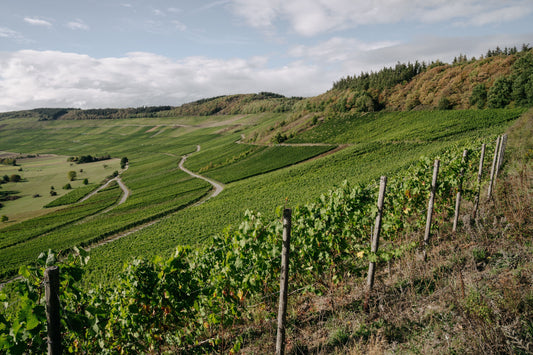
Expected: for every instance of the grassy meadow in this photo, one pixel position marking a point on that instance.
(42, 172)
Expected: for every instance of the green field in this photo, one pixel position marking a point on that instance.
(39, 174)
(259, 178)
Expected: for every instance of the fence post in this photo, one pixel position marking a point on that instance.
(51, 279)
(284, 282)
(375, 239)
(430, 206)
(493, 168)
(503, 145)
(479, 174)
(459, 191)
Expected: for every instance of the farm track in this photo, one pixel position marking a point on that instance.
(217, 189)
(218, 186)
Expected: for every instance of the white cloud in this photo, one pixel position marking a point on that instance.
(179, 25)
(9, 33)
(37, 22)
(77, 25)
(312, 17)
(30, 79)
(337, 49)
(348, 56)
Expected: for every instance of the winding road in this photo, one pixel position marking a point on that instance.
(218, 186)
(125, 195)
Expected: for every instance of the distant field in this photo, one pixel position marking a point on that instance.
(39, 174)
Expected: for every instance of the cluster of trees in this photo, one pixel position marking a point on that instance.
(88, 159)
(382, 79)
(506, 51)
(114, 113)
(236, 104)
(12, 178)
(370, 91)
(8, 161)
(50, 114)
(123, 162)
(516, 87)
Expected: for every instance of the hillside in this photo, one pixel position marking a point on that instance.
(179, 252)
(207, 291)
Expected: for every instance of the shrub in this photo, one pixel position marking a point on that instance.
(72, 175)
(123, 162)
(67, 187)
(15, 178)
(4, 218)
(444, 104)
(479, 96)
(500, 93)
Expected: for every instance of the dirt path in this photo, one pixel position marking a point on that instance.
(219, 187)
(125, 190)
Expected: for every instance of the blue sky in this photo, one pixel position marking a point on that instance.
(129, 53)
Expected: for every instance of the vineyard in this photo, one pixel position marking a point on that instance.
(210, 292)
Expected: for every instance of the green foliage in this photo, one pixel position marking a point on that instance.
(88, 159)
(22, 242)
(479, 96)
(382, 79)
(444, 104)
(85, 181)
(15, 178)
(72, 197)
(8, 161)
(67, 186)
(418, 126)
(195, 295)
(71, 175)
(522, 86)
(499, 95)
(265, 160)
(123, 162)
(4, 218)
(279, 138)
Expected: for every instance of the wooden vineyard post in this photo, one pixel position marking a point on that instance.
(430, 206)
(459, 192)
(375, 239)
(51, 279)
(479, 174)
(493, 168)
(501, 155)
(284, 282)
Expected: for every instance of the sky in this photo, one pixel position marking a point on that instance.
(131, 53)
